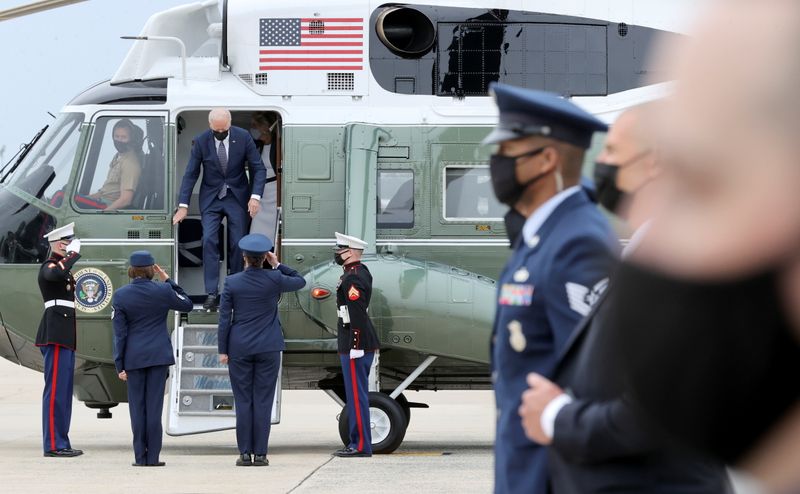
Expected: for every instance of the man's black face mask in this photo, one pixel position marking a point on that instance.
(504, 177)
(714, 364)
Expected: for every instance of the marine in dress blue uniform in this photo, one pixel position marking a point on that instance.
(357, 341)
(251, 341)
(143, 351)
(221, 152)
(558, 268)
(56, 339)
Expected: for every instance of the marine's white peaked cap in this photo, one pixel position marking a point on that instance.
(346, 241)
(66, 231)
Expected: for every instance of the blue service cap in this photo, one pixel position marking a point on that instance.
(255, 244)
(525, 112)
(142, 258)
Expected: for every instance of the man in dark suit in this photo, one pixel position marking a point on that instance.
(559, 265)
(597, 441)
(143, 351)
(224, 192)
(250, 341)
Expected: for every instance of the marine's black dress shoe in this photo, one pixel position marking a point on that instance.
(63, 453)
(351, 453)
(244, 461)
(260, 461)
(211, 302)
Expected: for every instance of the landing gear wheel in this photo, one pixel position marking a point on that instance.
(387, 423)
(403, 401)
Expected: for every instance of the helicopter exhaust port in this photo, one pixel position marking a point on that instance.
(406, 32)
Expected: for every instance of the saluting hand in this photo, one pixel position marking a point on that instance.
(272, 259)
(123, 375)
(534, 400)
(162, 275)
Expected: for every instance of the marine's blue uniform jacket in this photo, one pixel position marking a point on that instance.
(141, 338)
(549, 284)
(248, 311)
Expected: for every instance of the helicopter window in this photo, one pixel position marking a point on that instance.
(468, 194)
(395, 199)
(22, 227)
(125, 165)
(45, 170)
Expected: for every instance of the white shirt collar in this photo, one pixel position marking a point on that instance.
(636, 239)
(537, 219)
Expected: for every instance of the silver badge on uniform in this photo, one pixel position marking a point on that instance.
(515, 337)
(521, 275)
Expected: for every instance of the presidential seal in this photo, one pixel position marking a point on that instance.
(93, 290)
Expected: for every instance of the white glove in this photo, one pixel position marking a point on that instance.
(356, 353)
(74, 246)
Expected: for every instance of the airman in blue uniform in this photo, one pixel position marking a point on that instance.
(143, 351)
(559, 265)
(251, 342)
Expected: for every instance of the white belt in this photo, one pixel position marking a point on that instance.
(63, 303)
(344, 314)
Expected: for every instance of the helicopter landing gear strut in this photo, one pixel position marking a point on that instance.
(389, 412)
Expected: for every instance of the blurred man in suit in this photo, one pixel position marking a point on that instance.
(597, 442)
(225, 192)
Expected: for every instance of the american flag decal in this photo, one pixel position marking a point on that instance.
(311, 44)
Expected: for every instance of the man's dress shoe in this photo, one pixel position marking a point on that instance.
(244, 461)
(351, 453)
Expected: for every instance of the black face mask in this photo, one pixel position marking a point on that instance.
(504, 177)
(605, 181)
(122, 147)
(712, 363)
(514, 222)
(338, 259)
(220, 136)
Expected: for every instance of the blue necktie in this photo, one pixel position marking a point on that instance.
(223, 161)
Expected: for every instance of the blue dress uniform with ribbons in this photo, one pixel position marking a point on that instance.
(250, 334)
(357, 343)
(142, 349)
(558, 269)
(56, 339)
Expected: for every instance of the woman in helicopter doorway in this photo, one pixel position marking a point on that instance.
(251, 341)
(143, 351)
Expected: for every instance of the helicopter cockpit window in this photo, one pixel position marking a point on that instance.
(46, 169)
(125, 167)
(395, 199)
(468, 194)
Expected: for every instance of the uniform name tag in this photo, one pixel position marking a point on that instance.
(513, 294)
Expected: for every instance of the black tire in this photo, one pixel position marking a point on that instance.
(380, 403)
(403, 401)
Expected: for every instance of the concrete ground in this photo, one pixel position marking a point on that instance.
(448, 448)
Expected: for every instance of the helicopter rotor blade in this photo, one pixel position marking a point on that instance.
(34, 7)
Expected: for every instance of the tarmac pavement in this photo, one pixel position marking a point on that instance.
(447, 448)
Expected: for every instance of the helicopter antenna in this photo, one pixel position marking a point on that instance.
(51, 115)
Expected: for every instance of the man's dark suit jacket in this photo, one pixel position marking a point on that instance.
(204, 153)
(600, 443)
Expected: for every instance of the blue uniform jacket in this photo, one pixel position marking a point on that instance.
(248, 310)
(204, 152)
(548, 285)
(139, 317)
